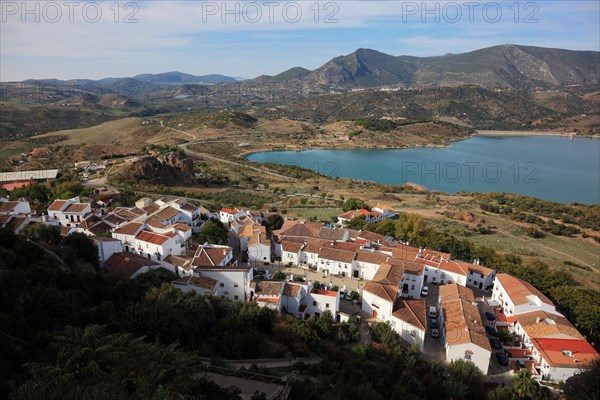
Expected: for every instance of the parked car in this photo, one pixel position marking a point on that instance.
(268, 276)
(502, 359)
(490, 316)
(435, 333)
(348, 296)
(259, 276)
(433, 323)
(342, 294)
(496, 344)
(491, 330)
(425, 291)
(432, 312)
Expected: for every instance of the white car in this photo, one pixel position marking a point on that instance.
(425, 291)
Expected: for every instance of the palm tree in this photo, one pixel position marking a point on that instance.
(525, 384)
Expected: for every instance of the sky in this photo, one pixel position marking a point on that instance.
(67, 39)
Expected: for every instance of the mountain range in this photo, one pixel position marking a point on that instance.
(508, 65)
(503, 66)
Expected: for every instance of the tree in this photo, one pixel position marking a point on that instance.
(585, 385)
(83, 247)
(353, 204)
(213, 232)
(525, 385)
(469, 375)
(89, 363)
(501, 393)
(273, 222)
(279, 275)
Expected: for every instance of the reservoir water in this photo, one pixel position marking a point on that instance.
(548, 167)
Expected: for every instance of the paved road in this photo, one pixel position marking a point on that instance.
(247, 386)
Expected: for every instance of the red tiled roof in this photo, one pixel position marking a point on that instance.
(564, 352)
(229, 211)
(129, 229)
(324, 292)
(76, 208)
(127, 263)
(412, 312)
(518, 290)
(210, 256)
(151, 237)
(57, 205)
(8, 205)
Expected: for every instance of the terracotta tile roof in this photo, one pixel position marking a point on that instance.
(199, 281)
(15, 223)
(127, 263)
(329, 253)
(332, 234)
(114, 219)
(480, 269)
(76, 208)
(8, 205)
(291, 289)
(386, 282)
(229, 211)
(4, 218)
(291, 247)
(323, 292)
(519, 290)
(370, 257)
(177, 261)
(208, 256)
(412, 312)
(353, 214)
(57, 205)
(167, 213)
(453, 292)
(268, 299)
(155, 222)
(259, 237)
(152, 237)
(565, 353)
(405, 252)
(408, 267)
(373, 237)
(267, 288)
(180, 226)
(100, 229)
(540, 324)
(150, 208)
(298, 228)
(456, 267)
(462, 321)
(351, 246)
(189, 207)
(129, 213)
(129, 229)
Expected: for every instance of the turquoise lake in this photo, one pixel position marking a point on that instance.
(547, 167)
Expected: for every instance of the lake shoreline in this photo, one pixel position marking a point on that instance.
(523, 164)
(532, 133)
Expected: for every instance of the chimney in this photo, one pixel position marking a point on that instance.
(537, 320)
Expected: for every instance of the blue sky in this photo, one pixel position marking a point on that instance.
(93, 39)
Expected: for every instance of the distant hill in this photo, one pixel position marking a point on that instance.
(180, 77)
(504, 66)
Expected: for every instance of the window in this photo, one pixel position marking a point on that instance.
(326, 305)
(235, 285)
(236, 297)
(221, 284)
(314, 303)
(412, 287)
